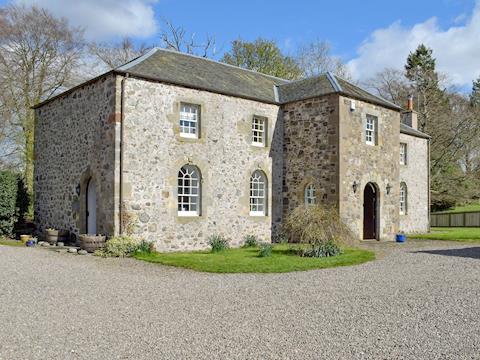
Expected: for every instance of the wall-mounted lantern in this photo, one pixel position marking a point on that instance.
(388, 188)
(77, 189)
(355, 186)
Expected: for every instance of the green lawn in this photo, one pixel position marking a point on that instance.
(246, 260)
(464, 208)
(10, 242)
(451, 233)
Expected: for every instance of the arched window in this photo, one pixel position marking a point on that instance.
(258, 194)
(403, 198)
(189, 190)
(310, 194)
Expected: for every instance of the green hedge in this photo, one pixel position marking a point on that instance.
(13, 201)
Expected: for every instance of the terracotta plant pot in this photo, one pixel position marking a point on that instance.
(54, 236)
(91, 243)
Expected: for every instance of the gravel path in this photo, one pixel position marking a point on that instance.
(419, 300)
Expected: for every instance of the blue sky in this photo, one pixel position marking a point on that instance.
(367, 35)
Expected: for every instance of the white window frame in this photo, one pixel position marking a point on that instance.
(189, 189)
(259, 131)
(310, 197)
(189, 120)
(403, 198)
(258, 193)
(403, 154)
(371, 124)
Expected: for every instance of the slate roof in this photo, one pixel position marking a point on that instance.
(201, 73)
(405, 129)
(204, 74)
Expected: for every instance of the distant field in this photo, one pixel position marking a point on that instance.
(458, 209)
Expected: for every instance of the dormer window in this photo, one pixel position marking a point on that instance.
(189, 120)
(259, 131)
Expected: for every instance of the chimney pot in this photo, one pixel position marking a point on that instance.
(410, 103)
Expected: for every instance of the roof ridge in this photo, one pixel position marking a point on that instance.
(367, 91)
(333, 81)
(144, 57)
(137, 60)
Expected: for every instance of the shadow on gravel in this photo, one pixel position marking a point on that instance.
(471, 252)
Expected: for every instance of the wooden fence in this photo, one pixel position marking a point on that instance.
(463, 219)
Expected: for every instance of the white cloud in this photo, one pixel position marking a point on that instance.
(456, 49)
(104, 19)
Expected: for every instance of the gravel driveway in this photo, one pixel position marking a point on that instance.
(419, 300)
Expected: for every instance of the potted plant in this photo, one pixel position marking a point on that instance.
(54, 236)
(92, 242)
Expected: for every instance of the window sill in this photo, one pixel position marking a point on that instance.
(258, 144)
(257, 214)
(370, 143)
(187, 214)
(188, 136)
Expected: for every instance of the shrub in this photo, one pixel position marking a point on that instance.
(145, 247)
(217, 243)
(119, 246)
(265, 250)
(320, 228)
(8, 202)
(250, 241)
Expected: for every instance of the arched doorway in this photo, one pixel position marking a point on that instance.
(91, 207)
(370, 211)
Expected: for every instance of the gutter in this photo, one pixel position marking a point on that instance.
(122, 131)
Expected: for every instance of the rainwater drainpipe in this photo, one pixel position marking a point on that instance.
(122, 117)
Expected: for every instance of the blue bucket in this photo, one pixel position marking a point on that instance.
(401, 238)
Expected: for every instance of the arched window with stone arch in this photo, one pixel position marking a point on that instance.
(403, 198)
(189, 191)
(258, 193)
(310, 194)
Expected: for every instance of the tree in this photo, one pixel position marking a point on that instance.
(475, 94)
(390, 84)
(263, 56)
(38, 53)
(115, 55)
(176, 38)
(315, 59)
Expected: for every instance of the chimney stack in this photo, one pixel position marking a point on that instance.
(410, 117)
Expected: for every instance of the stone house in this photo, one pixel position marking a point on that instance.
(183, 147)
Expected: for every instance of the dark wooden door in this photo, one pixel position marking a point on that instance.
(370, 212)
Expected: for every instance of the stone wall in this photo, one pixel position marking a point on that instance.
(415, 176)
(310, 150)
(154, 153)
(362, 163)
(75, 140)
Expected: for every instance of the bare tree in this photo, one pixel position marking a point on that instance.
(38, 53)
(316, 58)
(390, 84)
(114, 55)
(176, 38)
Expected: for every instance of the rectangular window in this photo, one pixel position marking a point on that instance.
(371, 130)
(403, 154)
(189, 120)
(259, 126)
